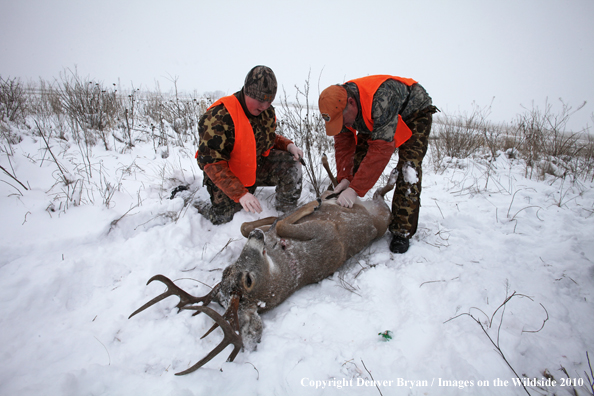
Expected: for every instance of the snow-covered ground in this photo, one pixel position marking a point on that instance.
(69, 279)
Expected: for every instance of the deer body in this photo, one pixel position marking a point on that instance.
(289, 256)
(281, 256)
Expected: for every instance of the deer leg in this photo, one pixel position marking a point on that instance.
(329, 171)
(173, 290)
(389, 185)
(250, 226)
(284, 226)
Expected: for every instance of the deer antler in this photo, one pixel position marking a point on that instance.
(173, 290)
(228, 322)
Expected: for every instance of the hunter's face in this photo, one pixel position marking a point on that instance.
(256, 107)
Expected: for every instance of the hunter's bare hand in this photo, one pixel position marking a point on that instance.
(250, 203)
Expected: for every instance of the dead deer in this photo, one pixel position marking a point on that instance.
(281, 256)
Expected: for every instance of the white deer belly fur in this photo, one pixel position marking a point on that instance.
(272, 267)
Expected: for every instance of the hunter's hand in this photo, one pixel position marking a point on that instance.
(296, 151)
(344, 183)
(250, 203)
(347, 198)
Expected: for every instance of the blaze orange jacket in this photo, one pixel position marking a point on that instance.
(367, 88)
(379, 151)
(243, 157)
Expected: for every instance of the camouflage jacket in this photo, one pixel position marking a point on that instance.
(392, 98)
(217, 139)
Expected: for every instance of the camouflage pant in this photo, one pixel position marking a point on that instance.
(407, 193)
(278, 169)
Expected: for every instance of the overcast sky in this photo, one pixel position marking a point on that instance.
(518, 52)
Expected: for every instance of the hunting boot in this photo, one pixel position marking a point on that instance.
(216, 214)
(399, 244)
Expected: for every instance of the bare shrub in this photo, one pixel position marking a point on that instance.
(173, 119)
(89, 105)
(304, 125)
(560, 141)
(545, 139)
(7, 149)
(44, 100)
(183, 114)
(538, 137)
(129, 115)
(458, 136)
(586, 170)
(13, 99)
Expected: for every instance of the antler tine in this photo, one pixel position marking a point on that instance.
(230, 315)
(229, 324)
(173, 289)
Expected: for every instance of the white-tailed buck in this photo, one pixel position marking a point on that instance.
(281, 256)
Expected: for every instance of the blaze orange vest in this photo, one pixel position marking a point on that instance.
(243, 156)
(368, 86)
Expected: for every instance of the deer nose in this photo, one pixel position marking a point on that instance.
(257, 233)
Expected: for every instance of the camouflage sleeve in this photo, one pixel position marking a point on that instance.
(281, 142)
(221, 175)
(217, 136)
(388, 102)
(419, 99)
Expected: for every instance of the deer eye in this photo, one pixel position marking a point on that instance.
(248, 282)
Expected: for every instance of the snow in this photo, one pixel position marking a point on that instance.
(409, 174)
(69, 279)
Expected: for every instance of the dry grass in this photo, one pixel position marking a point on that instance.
(539, 137)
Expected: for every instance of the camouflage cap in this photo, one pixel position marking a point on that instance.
(260, 84)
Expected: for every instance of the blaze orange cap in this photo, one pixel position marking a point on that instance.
(332, 102)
